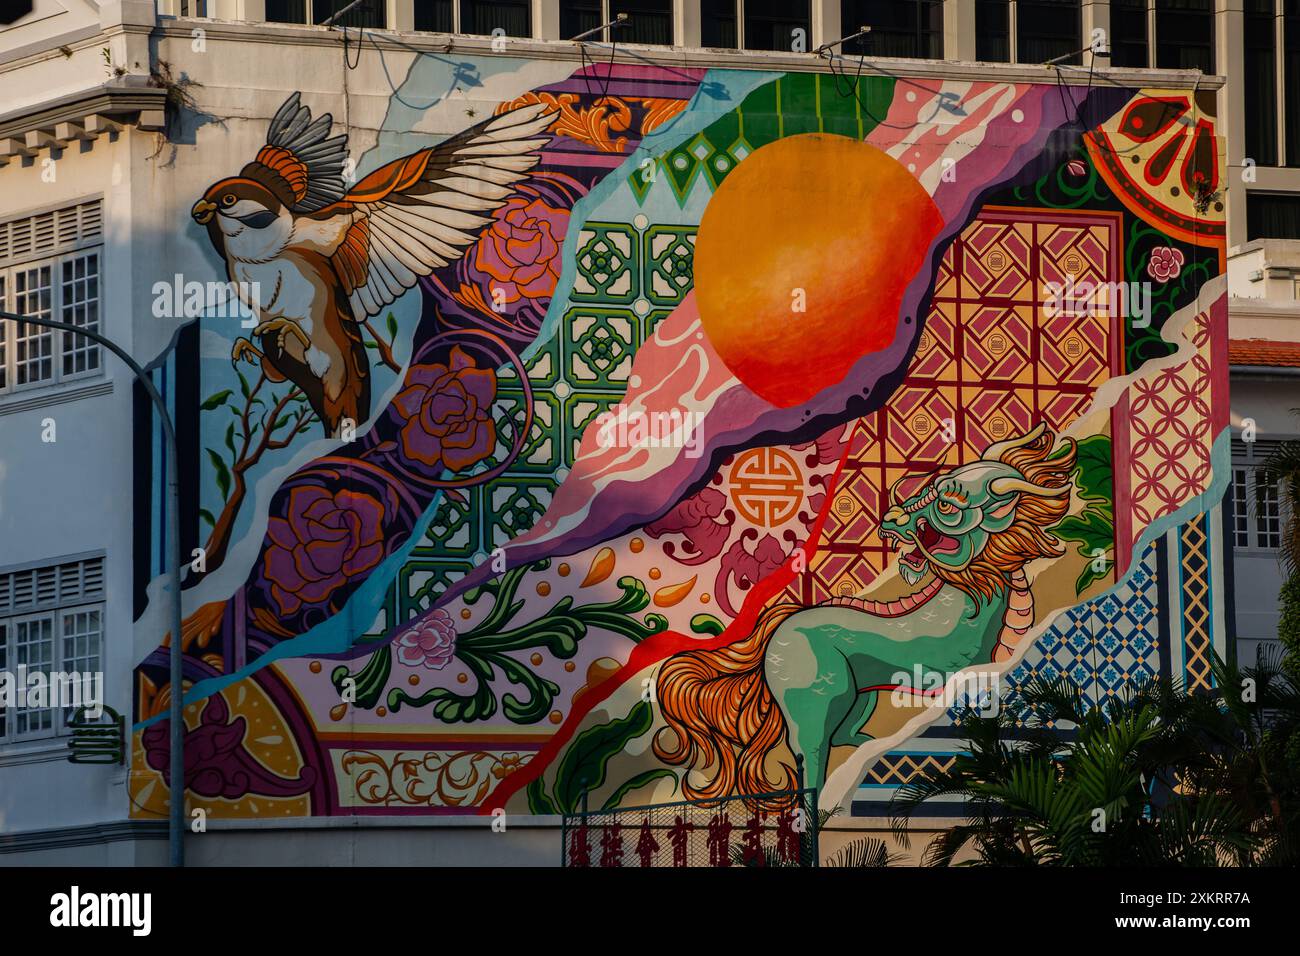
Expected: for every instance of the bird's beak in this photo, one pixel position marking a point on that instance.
(203, 211)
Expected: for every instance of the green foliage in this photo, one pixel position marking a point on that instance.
(216, 400)
(1158, 777)
(1288, 627)
(585, 763)
(223, 473)
(367, 683)
(1094, 527)
(492, 645)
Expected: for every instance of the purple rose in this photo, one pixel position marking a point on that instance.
(324, 539)
(430, 643)
(521, 250)
(446, 409)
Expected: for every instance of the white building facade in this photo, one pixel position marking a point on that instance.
(115, 116)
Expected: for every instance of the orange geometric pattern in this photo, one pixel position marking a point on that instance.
(766, 486)
(991, 360)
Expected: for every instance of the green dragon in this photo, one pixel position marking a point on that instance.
(810, 678)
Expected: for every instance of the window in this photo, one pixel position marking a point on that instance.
(370, 13)
(993, 31)
(909, 28)
(481, 17)
(1047, 29)
(50, 268)
(776, 24)
(1260, 64)
(755, 24)
(1291, 67)
(1128, 33)
(1272, 215)
(718, 24)
(1257, 513)
(648, 21)
(51, 623)
(1185, 35)
(434, 16)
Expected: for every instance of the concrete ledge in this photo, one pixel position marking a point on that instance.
(686, 57)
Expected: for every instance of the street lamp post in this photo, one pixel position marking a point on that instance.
(176, 820)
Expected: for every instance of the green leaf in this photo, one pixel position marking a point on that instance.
(1094, 473)
(230, 439)
(538, 801)
(1089, 528)
(636, 783)
(370, 680)
(243, 385)
(223, 473)
(213, 401)
(392, 326)
(707, 624)
(206, 515)
(583, 766)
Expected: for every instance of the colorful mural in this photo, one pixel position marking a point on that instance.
(664, 425)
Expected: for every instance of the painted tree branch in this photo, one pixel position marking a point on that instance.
(257, 436)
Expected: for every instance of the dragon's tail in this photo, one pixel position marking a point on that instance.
(723, 714)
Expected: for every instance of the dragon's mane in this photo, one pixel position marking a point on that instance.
(1028, 537)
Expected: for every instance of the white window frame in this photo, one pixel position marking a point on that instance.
(740, 22)
(54, 257)
(1249, 461)
(309, 13)
(56, 610)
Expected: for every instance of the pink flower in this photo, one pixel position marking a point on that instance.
(1165, 263)
(431, 642)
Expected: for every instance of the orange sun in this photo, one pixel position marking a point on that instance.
(822, 223)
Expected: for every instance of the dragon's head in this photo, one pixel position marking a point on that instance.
(976, 524)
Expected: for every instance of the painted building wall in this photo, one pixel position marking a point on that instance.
(439, 581)
(460, 604)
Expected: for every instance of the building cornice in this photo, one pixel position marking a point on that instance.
(88, 114)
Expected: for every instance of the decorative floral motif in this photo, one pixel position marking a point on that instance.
(521, 251)
(324, 538)
(430, 643)
(447, 412)
(1166, 263)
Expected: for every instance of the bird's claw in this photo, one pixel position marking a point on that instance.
(281, 328)
(246, 350)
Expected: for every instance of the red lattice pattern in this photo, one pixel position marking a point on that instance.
(990, 361)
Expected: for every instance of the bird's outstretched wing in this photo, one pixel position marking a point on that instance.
(418, 213)
(300, 161)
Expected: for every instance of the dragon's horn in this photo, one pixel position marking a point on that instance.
(995, 451)
(1008, 486)
(893, 490)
